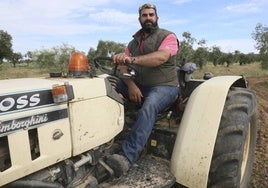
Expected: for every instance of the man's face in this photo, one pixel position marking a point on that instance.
(148, 19)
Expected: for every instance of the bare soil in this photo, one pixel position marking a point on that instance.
(260, 168)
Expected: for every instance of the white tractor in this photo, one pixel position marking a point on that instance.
(58, 131)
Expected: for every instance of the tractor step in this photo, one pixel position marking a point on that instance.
(149, 172)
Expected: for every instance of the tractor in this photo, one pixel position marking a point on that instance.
(59, 130)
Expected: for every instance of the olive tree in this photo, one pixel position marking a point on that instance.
(109, 48)
(5, 46)
(106, 48)
(55, 59)
(185, 48)
(200, 55)
(215, 55)
(261, 37)
(16, 58)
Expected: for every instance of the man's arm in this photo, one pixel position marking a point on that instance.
(168, 47)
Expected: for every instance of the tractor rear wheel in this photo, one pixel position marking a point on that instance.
(233, 153)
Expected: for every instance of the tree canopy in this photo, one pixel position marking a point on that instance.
(261, 37)
(56, 59)
(5, 46)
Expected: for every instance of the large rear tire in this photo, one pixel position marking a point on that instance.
(232, 160)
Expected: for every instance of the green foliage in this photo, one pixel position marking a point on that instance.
(109, 48)
(261, 37)
(5, 46)
(244, 59)
(185, 48)
(229, 59)
(264, 61)
(55, 59)
(16, 58)
(105, 48)
(200, 56)
(215, 55)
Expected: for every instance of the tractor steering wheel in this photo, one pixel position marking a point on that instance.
(99, 64)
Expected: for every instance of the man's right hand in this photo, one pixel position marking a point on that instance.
(121, 59)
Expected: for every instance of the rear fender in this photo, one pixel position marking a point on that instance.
(194, 145)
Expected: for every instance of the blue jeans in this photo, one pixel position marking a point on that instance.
(155, 100)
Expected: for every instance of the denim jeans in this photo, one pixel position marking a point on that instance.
(155, 100)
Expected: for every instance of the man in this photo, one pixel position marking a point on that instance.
(153, 53)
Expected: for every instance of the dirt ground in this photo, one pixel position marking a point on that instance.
(260, 168)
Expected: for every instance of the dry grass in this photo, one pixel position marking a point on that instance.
(249, 70)
(7, 71)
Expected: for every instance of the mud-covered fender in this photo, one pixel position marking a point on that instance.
(194, 145)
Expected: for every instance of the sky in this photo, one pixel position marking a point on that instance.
(44, 24)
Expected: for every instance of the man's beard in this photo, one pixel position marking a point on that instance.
(148, 26)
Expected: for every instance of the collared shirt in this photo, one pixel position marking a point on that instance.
(169, 43)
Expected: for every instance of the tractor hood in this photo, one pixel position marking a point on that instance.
(19, 94)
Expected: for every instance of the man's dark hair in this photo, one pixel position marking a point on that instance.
(147, 5)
